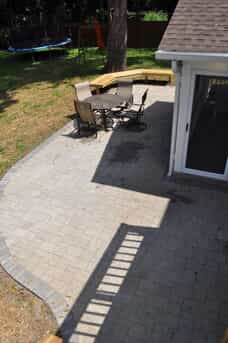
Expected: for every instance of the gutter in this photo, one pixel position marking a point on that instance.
(190, 56)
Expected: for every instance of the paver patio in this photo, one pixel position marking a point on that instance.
(138, 258)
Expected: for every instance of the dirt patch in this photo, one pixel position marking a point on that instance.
(24, 318)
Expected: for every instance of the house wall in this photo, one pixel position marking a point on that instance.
(184, 111)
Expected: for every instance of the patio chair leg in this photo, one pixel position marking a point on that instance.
(77, 120)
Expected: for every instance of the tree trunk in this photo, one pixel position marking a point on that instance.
(117, 36)
(55, 12)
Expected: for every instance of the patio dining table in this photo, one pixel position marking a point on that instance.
(104, 103)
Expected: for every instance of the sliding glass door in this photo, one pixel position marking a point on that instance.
(207, 131)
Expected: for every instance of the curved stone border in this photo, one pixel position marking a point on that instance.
(38, 287)
(26, 279)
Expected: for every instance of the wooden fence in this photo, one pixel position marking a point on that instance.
(140, 34)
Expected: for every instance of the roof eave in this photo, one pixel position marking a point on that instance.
(190, 56)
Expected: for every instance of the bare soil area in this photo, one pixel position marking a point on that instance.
(24, 318)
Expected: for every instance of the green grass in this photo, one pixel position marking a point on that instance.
(36, 98)
(156, 16)
(144, 58)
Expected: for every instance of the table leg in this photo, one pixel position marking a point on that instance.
(104, 119)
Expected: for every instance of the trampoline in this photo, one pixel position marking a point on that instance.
(40, 47)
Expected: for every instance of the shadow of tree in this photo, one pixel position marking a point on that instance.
(147, 61)
(18, 71)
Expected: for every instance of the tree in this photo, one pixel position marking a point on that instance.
(117, 36)
(54, 14)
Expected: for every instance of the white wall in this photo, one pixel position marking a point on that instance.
(187, 83)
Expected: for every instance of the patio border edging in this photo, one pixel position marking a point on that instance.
(4, 180)
(32, 283)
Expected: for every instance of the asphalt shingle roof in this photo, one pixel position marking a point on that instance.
(198, 26)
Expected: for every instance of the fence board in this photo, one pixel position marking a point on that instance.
(140, 34)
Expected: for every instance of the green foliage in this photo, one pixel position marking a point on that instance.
(156, 16)
(20, 145)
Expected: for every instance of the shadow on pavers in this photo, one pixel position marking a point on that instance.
(156, 284)
(135, 160)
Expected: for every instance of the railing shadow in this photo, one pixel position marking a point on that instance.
(151, 286)
(108, 290)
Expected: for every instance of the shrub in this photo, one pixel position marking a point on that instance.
(156, 16)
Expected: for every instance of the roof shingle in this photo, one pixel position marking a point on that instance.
(198, 26)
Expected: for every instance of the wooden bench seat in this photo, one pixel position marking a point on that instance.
(109, 79)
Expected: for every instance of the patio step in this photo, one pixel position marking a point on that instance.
(109, 79)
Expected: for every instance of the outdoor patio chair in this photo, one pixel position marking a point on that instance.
(135, 112)
(84, 115)
(125, 91)
(82, 91)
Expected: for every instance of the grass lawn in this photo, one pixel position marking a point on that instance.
(36, 98)
(24, 318)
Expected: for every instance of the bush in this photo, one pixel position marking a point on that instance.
(156, 16)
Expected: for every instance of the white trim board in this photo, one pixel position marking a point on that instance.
(206, 174)
(190, 56)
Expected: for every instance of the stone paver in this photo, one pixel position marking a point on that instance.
(37, 286)
(137, 257)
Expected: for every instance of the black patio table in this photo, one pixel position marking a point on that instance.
(104, 102)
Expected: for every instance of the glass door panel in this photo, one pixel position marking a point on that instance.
(208, 130)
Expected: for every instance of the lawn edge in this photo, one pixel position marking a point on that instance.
(38, 287)
(4, 180)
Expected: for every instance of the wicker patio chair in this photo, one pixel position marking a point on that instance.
(82, 91)
(84, 115)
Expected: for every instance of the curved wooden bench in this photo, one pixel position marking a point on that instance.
(109, 79)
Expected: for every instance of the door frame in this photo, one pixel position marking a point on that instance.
(193, 73)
